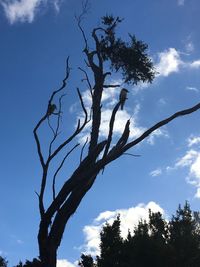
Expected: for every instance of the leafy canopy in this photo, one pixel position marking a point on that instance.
(130, 58)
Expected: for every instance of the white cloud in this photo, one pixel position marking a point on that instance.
(157, 133)
(65, 263)
(195, 64)
(21, 10)
(129, 219)
(195, 168)
(24, 10)
(197, 195)
(187, 159)
(169, 62)
(120, 121)
(193, 140)
(156, 172)
(191, 160)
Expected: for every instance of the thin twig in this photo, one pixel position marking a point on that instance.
(56, 133)
(59, 168)
(75, 133)
(51, 127)
(86, 78)
(133, 155)
(79, 19)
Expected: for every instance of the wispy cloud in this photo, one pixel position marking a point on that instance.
(189, 46)
(157, 133)
(193, 140)
(156, 172)
(191, 88)
(162, 102)
(57, 4)
(25, 10)
(191, 162)
(129, 219)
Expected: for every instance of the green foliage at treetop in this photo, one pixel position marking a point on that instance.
(156, 243)
(130, 58)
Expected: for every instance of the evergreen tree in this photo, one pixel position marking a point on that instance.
(111, 245)
(184, 239)
(156, 243)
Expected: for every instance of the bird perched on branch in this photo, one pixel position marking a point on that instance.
(123, 97)
(51, 109)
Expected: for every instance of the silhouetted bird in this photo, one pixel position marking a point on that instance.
(51, 109)
(123, 97)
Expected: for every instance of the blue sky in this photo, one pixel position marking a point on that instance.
(36, 38)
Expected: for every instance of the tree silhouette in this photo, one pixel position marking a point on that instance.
(3, 262)
(109, 53)
(154, 243)
(184, 238)
(111, 245)
(86, 261)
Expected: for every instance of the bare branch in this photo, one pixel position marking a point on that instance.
(87, 79)
(52, 129)
(83, 171)
(133, 155)
(37, 194)
(111, 125)
(107, 73)
(38, 141)
(97, 48)
(124, 138)
(117, 152)
(58, 124)
(79, 19)
(111, 85)
(75, 133)
(41, 157)
(64, 81)
(83, 149)
(59, 168)
(82, 105)
(160, 124)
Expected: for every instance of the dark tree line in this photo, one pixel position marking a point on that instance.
(156, 243)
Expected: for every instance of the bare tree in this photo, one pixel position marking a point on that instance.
(132, 61)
